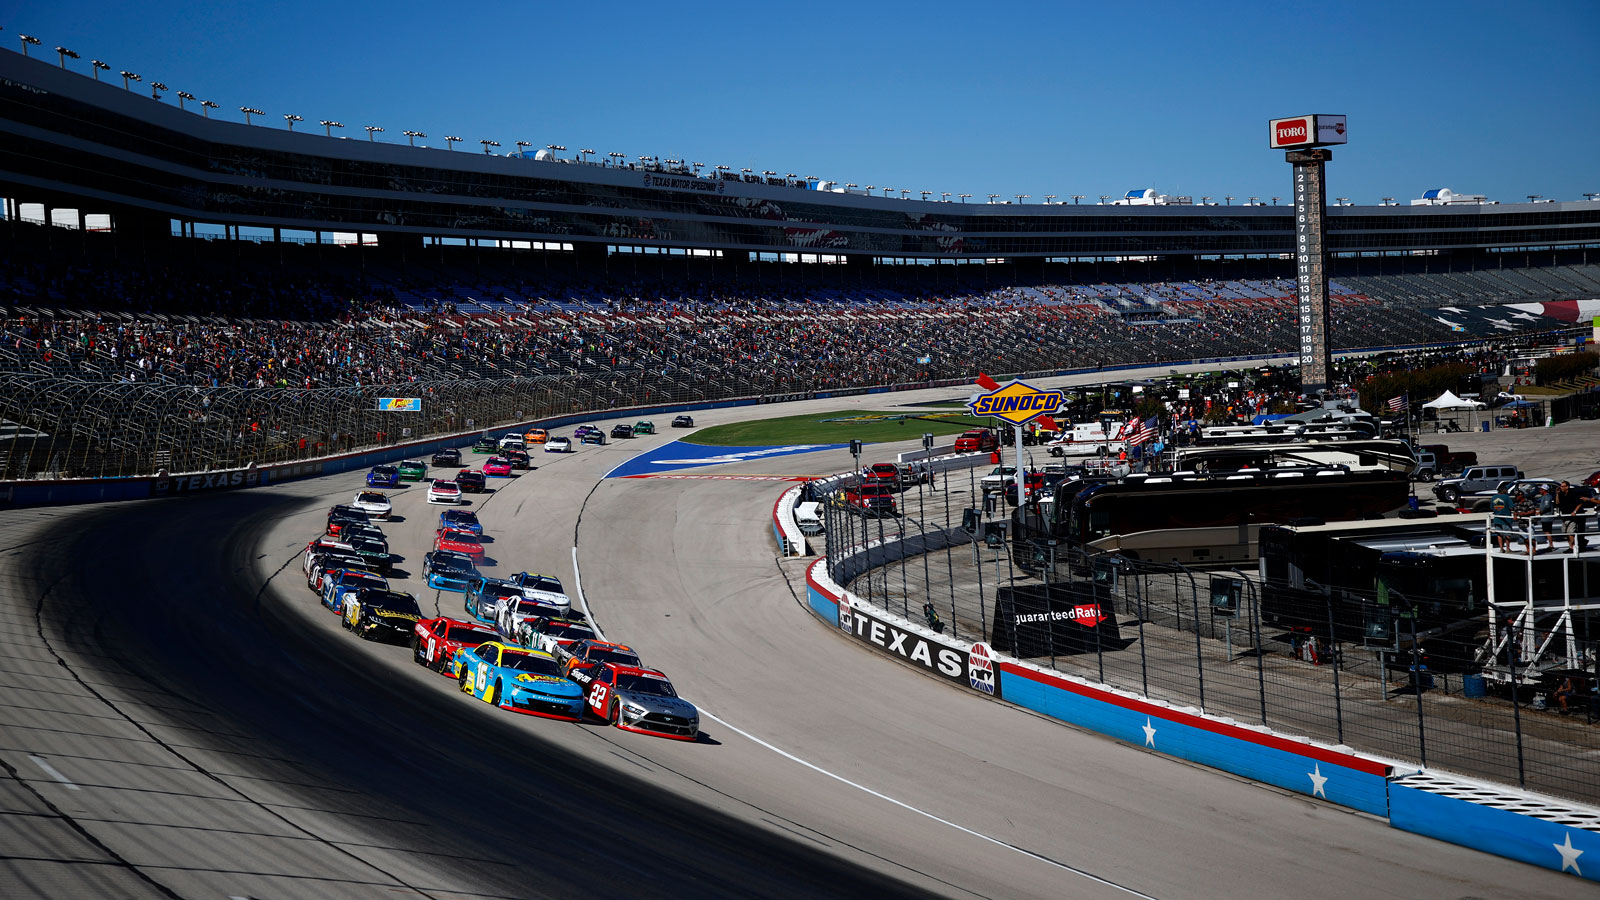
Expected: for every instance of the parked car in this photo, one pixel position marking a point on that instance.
(1474, 480)
(870, 500)
(980, 440)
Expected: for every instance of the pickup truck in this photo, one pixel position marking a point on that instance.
(868, 500)
(997, 479)
(977, 441)
(885, 475)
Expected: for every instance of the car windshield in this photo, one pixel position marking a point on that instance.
(569, 632)
(461, 517)
(527, 662)
(362, 580)
(445, 487)
(496, 589)
(372, 497)
(530, 608)
(542, 583)
(384, 470)
(461, 537)
(392, 601)
(645, 684)
(616, 656)
(452, 564)
(461, 634)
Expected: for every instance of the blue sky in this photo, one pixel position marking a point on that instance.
(1037, 98)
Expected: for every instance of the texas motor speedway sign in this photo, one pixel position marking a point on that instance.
(949, 663)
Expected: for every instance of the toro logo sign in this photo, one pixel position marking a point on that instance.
(1017, 403)
(1306, 131)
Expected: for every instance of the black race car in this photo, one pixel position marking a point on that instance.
(683, 422)
(594, 437)
(381, 615)
(622, 430)
(471, 481)
(447, 457)
(517, 458)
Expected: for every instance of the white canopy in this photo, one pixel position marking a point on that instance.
(1448, 400)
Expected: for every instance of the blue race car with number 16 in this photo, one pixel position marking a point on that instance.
(524, 681)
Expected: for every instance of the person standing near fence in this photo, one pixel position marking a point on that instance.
(1501, 523)
(1570, 502)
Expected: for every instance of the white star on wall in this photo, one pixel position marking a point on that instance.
(1150, 734)
(1569, 855)
(1317, 781)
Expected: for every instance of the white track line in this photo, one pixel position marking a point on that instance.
(577, 580)
(53, 772)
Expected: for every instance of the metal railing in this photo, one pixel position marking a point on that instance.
(1405, 677)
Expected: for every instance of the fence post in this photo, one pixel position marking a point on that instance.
(1416, 685)
(1199, 659)
(1333, 645)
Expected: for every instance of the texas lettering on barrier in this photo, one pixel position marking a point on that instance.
(935, 657)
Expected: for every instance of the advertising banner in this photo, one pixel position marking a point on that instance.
(1038, 620)
(950, 663)
(400, 404)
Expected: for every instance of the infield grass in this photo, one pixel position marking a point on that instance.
(813, 429)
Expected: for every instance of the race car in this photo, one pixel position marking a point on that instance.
(637, 699)
(558, 445)
(582, 430)
(447, 457)
(683, 422)
(381, 615)
(622, 430)
(461, 520)
(545, 590)
(374, 503)
(511, 613)
(594, 436)
(644, 426)
(484, 595)
(383, 476)
(524, 681)
(413, 470)
(497, 465)
(549, 632)
(459, 541)
(587, 653)
(444, 492)
(536, 436)
(338, 585)
(486, 445)
(447, 570)
(471, 481)
(434, 642)
(340, 516)
(323, 559)
(375, 552)
(512, 442)
(518, 459)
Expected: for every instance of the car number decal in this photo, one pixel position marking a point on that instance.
(597, 698)
(430, 649)
(483, 677)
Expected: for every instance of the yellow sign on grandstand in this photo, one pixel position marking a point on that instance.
(1017, 403)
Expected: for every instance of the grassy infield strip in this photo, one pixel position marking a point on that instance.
(863, 425)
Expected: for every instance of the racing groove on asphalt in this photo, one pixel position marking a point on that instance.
(331, 767)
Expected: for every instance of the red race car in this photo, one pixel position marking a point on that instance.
(636, 699)
(458, 541)
(434, 642)
(471, 481)
(497, 465)
(583, 654)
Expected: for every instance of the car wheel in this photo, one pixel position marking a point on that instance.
(1425, 476)
(1449, 494)
(614, 714)
(416, 651)
(461, 680)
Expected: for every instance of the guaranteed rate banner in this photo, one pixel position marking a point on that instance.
(1038, 620)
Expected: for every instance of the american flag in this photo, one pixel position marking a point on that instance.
(1399, 403)
(1146, 432)
(1128, 428)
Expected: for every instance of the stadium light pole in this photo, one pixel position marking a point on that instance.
(156, 88)
(487, 144)
(1534, 197)
(1022, 197)
(1076, 198)
(1205, 201)
(1342, 201)
(887, 191)
(964, 197)
(588, 152)
(944, 197)
(96, 66)
(411, 136)
(64, 54)
(1591, 195)
(27, 39)
(993, 197)
(1049, 199)
(522, 147)
(1104, 198)
(905, 194)
(206, 106)
(746, 173)
(450, 141)
(1275, 200)
(291, 118)
(328, 125)
(127, 77)
(182, 96)
(372, 131)
(722, 171)
(1253, 201)
(925, 195)
(250, 111)
(1228, 199)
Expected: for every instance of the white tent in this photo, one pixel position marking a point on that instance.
(1449, 400)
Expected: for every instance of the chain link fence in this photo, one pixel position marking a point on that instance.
(1396, 674)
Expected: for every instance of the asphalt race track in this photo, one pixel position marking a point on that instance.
(180, 717)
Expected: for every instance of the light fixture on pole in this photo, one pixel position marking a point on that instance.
(1049, 199)
(993, 197)
(156, 88)
(925, 195)
(1275, 200)
(1253, 201)
(964, 197)
(1022, 197)
(887, 191)
(1076, 198)
(372, 130)
(522, 148)
(587, 152)
(250, 111)
(1589, 195)
(450, 141)
(1342, 201)
(1532, 198)
(97, 66)
(328, 125)
(746, 171)
(487, 144)
(127, 77)
(206, 106)
(182, 96)
(291, 118)
(27, 39)
(64, 54)
(1205, 201)
(944, 197)
(411, 136)
(1386, 201)
(1228, 199)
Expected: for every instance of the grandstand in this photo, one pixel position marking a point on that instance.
(510, 288)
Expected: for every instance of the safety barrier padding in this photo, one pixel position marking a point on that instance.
(1549, 833)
